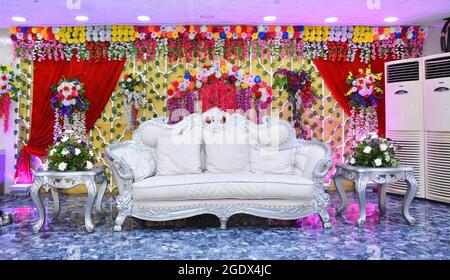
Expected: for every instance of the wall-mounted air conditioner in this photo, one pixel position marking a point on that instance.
(404, 117)
(437, 126)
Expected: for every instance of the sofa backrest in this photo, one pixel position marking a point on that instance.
(218, 127)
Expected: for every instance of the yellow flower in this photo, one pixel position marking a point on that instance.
(67, 35)
(229, 35)
(82, 40)
(57, 37)
(70, 41)
(290, 29)
(180, 79)
(244, 85)
(137, 88)
(175, 35)
(223, 69)
(191, 28)
(63, 40)
(238, 29)
(215, 35)
(193, 72)
(179, 28)
(76, 41)
(255, 36)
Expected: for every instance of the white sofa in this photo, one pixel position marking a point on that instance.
(221, 164)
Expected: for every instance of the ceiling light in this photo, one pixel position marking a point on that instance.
(19, 19)
(143, 18)
(269, 18)
(390, 19)
(81, 18)
(331, 19)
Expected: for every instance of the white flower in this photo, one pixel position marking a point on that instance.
(373, 135)
(352, 160)
(91, 153)
(378, 162)
(62, 166)
(89, 165)
(66, 102)
(129, 80)
(64, 139)
(65, 152)
(77, 151)
(367, 150)
(387, 158)
(45, 166)
(52, 152)
(383, 147)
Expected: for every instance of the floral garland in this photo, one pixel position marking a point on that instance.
(301, 93)
(135, 97)
(70, 153)
(365, 90)
(194, 41)
(220, 84)
(374, 151)
(9, 90)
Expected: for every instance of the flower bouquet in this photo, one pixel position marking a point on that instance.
(374, 151)
(365, 90)
(70, 153)
(135, 96)
(8, 91)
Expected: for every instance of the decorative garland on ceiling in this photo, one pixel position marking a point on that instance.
(337, 43)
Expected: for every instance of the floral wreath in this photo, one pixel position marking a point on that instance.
(364, 88)
(135, 96)
(69, 97)
(301, 94)
(9, 89)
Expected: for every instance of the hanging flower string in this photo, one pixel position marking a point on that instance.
(133, 90)
(301, 93)
(9, 90)
(365, 90)
(112, 42)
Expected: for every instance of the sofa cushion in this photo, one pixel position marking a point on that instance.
(264, 160)
(223, 186)
(227, 151)
(174, 156)
(306, 158)
(142, 164)
(274, 136)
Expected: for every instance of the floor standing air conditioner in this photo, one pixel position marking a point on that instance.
(437, 126)
(404, 117)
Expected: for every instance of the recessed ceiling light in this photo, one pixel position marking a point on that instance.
(81, 18)
(331, 19)
(269, 18)
(390, 19)
(143, 18)
(19, 19)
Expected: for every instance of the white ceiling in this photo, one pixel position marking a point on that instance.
(299, 12)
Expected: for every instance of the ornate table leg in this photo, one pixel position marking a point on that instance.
(361, 183)
(382, 199)
(55, 196)
(101, 192)
(409, 196)
(338, 178)
(37, 184)
(90, 184)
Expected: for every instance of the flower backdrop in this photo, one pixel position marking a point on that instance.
(198, 42)
(161, 55)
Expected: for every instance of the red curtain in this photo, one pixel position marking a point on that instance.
(99, 78)
(334, 75)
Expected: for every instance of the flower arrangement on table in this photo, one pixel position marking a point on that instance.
(8, 91)
(135, 96)
(301, 94)
(365, 90)
(373, 151)
(70, 153)
(70, 107)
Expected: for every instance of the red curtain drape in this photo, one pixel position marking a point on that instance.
(334, 75)
(99, 78)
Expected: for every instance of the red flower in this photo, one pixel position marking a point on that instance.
(65, 88)
(4, 78)
(175, 84)
(232, 79)
(258, 94)
(170, 92)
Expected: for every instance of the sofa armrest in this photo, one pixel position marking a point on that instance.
(322, 167)
(130, 161)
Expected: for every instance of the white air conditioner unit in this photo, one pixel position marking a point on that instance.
(437, 126)
(404, 117)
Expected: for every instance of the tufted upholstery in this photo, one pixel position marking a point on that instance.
(223, 186)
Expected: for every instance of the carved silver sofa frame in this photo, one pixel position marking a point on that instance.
(223, 209)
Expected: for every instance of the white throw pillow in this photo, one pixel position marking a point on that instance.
(177, 158)
(227, 158)
(306, 158)
(142, 164)
(227, 150)
(263, 160)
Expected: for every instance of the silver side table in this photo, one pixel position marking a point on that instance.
(55, 181)
(382, 176)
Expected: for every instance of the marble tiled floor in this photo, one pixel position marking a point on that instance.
(247, 237)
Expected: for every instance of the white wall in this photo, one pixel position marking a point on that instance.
(433, 42)
(7, 139)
